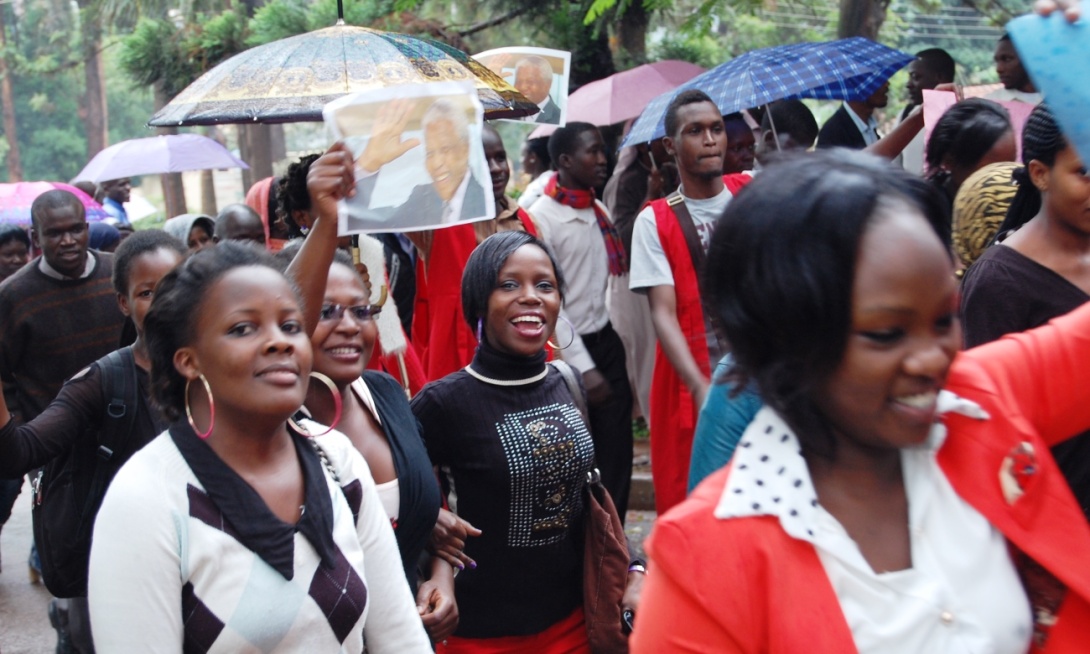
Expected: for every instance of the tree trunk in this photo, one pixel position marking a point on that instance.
(591, 57)
(94, 111)
(208, 183)
(632, 34)
(861, 18)
(173, 189)
(255, 148)
(15, 165)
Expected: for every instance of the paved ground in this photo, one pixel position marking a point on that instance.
(24, 627)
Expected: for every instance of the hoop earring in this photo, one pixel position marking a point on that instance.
(211, 408)
(571, 327)
(480, 330)
(338, 407)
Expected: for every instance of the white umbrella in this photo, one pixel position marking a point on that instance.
(156, 155)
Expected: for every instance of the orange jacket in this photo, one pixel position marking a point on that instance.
(743, 585)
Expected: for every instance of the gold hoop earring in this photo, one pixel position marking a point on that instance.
(571, 327)
(211, 408)
(338, 405)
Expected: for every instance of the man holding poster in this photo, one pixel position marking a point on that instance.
(454, 192)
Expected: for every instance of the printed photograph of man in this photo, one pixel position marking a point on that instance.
(534, 78)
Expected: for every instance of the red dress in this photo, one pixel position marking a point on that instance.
(441, 336)
(673, 411)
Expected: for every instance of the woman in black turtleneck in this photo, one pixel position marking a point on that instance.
(513, 453)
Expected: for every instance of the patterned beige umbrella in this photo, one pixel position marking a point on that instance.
(290, 80)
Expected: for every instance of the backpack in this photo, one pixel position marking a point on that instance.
(69, 489)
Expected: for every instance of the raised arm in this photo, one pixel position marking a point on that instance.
(331, 178)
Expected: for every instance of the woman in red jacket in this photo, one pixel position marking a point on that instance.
(894, 495)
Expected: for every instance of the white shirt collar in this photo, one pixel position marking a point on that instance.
(50, 271)
(456, 201)
(770, 477)
(866, 127)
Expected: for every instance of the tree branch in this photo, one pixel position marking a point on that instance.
(492, 22)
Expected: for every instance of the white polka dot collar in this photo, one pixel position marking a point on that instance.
(770, 477)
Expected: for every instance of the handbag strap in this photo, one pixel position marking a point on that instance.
(577, 396)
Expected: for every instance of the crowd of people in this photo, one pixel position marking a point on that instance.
(860, 358)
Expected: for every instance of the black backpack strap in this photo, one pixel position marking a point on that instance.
(117, 372)
(676, 202)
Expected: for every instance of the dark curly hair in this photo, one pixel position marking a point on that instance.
(781, 268)
(291, 194)
(140, 243)
(171, 322)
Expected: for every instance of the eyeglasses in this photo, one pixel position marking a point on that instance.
(360, 312)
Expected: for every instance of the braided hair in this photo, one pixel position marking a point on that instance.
(1042, 140)
(291, 194)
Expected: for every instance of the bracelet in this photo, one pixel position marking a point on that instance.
(638, 566)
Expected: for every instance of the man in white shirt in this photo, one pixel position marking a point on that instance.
(1017, 86)
(576, 226)
(932, 67)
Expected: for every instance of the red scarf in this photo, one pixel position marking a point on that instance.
(576, 199)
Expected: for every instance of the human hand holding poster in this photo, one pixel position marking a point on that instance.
(1057, 55)
(540, 74)
(419, 158)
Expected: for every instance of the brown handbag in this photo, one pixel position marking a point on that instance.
(605, 551)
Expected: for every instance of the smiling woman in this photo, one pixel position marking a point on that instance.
(513, 452)
(267, 512)
(877, 502)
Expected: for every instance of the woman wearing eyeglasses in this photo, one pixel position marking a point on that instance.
(372, 409)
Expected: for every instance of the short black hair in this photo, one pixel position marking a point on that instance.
(483, 267)
(781, 267)
(171, 322)
(965, 133)
(566, 139)
(939, 62)
(55, 199)
(10, 232)
(791, 117)
(292, 195)
(540, 148)
(690, 96)
(140, 243)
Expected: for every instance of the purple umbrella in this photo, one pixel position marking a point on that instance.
(16, 199)
(156, 155)
(623, 96)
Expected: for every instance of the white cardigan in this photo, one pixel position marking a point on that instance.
(148, 552)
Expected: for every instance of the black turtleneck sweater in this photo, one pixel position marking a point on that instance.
(513, 461)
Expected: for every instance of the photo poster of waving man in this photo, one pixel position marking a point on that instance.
(419, 159)
(540, 74)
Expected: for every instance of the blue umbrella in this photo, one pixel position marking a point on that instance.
(849, 69)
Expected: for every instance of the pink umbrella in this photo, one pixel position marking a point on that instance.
(16, 199)
(624, 95)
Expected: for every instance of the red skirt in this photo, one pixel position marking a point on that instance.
(569, 636)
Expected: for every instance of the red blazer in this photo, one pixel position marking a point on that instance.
(743, 585)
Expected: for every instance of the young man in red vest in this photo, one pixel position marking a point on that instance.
(668, 245)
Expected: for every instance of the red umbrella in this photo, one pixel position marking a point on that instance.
(623, 96)
(15, 201)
